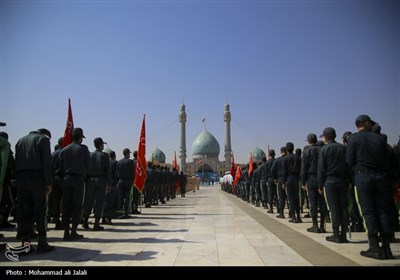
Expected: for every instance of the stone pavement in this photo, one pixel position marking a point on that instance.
(206, 228)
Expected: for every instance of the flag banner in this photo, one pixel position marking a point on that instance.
(140, 172)
(175, 162)
(203, 120)
(237, 175)
(233, 166)
(69, 126)
(251, 164)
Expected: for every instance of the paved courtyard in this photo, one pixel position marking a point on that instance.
(206, 228)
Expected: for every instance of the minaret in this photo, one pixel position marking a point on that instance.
(228, 148)
(182, 155)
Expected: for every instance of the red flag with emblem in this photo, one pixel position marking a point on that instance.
(251, 164)
(68, 128)
(140, 175)
(233, 166)
(237, 175)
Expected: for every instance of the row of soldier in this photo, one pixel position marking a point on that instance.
(333, 174)
(76, 183)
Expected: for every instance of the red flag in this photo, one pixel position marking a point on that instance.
(140, 175)
(233, 166)
(251, 164)
(237, 175)
(175, 162)
(68, 128)
(269, 157)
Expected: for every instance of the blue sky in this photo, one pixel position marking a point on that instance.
(287, 68)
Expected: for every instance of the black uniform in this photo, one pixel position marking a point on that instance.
(75, 160)
(256, 186)
(277, 171)
(308, 177)
(9, 191)
(291, 173)
(367, 154)
(56, 192)
(332, 175)
(125, 173)
(34, 175)
(272, 191)
(263, 183)
(182, 183)
(149, 185)
(98, 178)
(111, 204)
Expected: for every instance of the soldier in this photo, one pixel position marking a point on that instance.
(277, 171)
(309, 182)
(355, 217)
(98, 178)
(75, 160)
(35, 179)
(291, 175)
(56, 193)
(182, 182)
(332, 179)
(9, 184)
(4, 156)
(136, 194)
(302, 191)
(390, 169)
(246, 183)
(256, 184)
(270, 181)
(125, 173)
(263, 183)
(367, 154)
(149, 185)
(112, 196)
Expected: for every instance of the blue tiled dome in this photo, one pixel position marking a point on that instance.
(258, 154)
(205, 145)
(158, 155)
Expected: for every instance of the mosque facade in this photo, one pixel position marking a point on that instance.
(205, 151)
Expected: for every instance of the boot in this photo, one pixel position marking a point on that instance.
(281, 214)
(393, 239)
(43, 246)
(85, 223)
(298, 219)
(335, 237)
(292, 217)
(271, 209)
(97, 226)
(386, 238)
(374, 252)
(343, 234)
(314, 227)
(67, 235)
(74, 235)
(322, 225)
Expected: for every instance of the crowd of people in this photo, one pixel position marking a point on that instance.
(354, 185)
(67, 186)
(350, 184)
